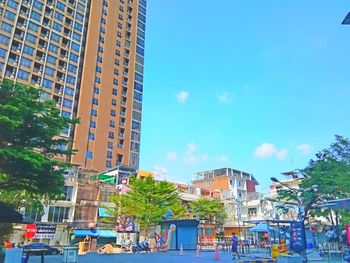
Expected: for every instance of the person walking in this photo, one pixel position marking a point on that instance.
(234, 246)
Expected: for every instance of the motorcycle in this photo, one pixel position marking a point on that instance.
(143, 246)
(125, 248)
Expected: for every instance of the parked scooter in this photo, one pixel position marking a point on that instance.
(143, 246)
(126, 248)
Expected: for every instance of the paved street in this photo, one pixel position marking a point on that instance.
(167, 257)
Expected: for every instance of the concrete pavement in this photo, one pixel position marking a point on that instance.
(172, 257)
(161, 257)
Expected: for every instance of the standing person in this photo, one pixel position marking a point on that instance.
(8, 244)
(234, 246)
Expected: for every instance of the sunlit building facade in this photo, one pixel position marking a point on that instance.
(88, 57)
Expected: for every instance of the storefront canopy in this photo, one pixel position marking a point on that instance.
(95, 233)
(9, 215)
(102, 212)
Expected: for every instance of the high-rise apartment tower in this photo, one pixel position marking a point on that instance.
(86, 55)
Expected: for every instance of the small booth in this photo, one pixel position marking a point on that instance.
(181, 233)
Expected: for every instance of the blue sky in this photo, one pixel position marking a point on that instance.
(258, 86)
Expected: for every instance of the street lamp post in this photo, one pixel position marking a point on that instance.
(301, 211)
(346, 20)
(296, 191)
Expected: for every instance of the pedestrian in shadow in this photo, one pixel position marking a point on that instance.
(234, 246)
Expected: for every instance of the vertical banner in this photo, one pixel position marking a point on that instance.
(297, 236)
(348, 233)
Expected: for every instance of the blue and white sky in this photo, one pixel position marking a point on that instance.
(258, 86)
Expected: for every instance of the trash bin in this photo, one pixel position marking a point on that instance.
(13, 255)
(70, 255)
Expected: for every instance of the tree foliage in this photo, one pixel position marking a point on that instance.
(210, 210)
(29, 140)
(122, 212)
(330, 171)
(147, 201)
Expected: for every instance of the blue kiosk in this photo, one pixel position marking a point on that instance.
(181, 232)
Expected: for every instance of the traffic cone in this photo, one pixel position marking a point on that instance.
(216, 257)
(181, 250)
(197, 252)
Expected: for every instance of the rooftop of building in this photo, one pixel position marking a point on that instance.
(224, 172)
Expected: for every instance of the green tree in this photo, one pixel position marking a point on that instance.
(330, 171)
(147, 201)
(122, 213)
(29, 140)
(211, 211)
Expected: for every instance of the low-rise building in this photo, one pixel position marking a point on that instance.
(233, 188)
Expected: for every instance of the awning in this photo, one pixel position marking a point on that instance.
(259, 228)
(9, 215)
(95, 233)
(102, 212)
(104, 178)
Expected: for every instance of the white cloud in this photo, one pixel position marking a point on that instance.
(192, 157)
(182, 96)
(224, 96)
(304, 148)
(265, 150)
(161, 173)
(191, 148)
(281, 154)
(222, 159)
(171, 156)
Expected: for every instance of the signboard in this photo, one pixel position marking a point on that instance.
(297, 236)
(45, 231)
(348, 233)
(30, 231)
